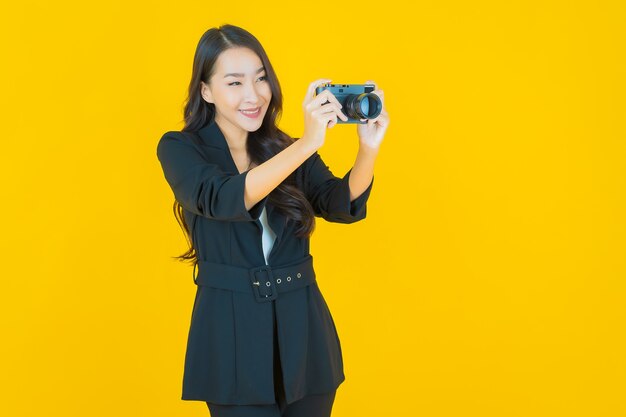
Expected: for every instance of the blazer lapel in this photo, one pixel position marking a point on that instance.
(213, 139)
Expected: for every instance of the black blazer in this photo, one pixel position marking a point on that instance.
(229, 356)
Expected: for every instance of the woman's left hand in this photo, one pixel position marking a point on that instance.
(372, 133)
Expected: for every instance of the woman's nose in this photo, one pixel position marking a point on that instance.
(251, 93)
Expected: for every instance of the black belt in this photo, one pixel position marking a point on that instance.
(265, 282)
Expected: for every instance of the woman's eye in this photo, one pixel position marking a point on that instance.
(260, 78)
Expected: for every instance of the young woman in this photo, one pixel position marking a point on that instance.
(262, 341)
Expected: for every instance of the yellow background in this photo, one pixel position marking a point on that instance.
(487, 279)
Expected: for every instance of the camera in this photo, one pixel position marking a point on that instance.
(358, 101)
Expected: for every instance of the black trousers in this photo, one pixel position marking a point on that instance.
(311, 406)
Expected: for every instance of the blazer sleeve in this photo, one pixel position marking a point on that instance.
(330, 195)
(201, 187)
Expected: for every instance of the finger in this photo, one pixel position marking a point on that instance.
(311, 90)
(327, 119)
(320, 99)
(333, 99)
(342, 115)
(371, 82)
(385, 116)
(335, 109)
(316, 84)
(323, 97)
(330, 108)
(383, 121)
(326, 108)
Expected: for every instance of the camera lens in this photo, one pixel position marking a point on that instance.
(363, 106)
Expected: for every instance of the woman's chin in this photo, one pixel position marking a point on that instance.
(252, 125)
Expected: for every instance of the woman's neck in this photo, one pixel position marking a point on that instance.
(235, 136)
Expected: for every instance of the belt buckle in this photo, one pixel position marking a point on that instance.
(263, 290)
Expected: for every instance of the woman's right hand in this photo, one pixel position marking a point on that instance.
(319, 116)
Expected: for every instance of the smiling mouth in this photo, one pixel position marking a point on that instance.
(251, 114)
(251, 111)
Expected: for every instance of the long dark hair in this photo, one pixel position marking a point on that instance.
(262, 144)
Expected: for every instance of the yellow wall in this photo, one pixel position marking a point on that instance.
(487, 279)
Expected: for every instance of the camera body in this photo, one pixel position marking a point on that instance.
(358, 101)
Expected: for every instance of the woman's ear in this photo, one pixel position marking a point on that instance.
(205, 91)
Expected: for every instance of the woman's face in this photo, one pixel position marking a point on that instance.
(238, 83)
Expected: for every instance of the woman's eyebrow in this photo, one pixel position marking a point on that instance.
(239, 74)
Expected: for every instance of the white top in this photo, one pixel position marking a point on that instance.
(268, 235)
